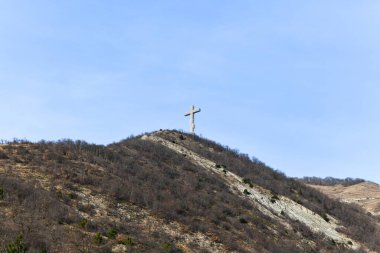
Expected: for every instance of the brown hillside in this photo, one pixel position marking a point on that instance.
(366, 195)
(165, 192)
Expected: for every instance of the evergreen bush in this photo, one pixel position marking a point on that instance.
(1, 193)
(246, 192)
(98, 238)
(111, 233)
(17, 246)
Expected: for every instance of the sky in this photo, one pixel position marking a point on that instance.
(295, 84)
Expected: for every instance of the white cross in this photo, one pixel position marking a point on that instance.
(191, 113)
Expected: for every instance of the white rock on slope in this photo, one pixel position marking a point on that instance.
(263, 197)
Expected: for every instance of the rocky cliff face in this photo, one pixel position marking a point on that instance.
(165, 192)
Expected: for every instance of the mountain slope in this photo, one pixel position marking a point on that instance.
(165, 192)
(364, 194)
(272, 205)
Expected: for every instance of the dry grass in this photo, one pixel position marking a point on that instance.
(366, 195)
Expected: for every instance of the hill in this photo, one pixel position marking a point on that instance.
(165, 192)
(364, 194)
(331, 181)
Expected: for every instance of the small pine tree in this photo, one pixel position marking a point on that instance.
(83, 223)
(17, 246)
(325, 217)
(246, 181)
(242, 220)
(98, 238)
(111, 233)
(166, 247)
(128, 241)
(1, 193)
(274, 198)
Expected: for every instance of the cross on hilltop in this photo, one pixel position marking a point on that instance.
(192, 112)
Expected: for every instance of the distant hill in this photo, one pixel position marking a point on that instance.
(165, 191)
(349, 190)
(365, 194)
(331, 181)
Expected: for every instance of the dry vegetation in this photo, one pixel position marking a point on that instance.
(364, 194)
(135, 195)
(331, 181)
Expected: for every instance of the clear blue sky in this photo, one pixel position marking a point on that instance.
(293, 83)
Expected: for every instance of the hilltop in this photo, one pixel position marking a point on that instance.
(166, 191)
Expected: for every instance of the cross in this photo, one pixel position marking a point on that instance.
(191, 113)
